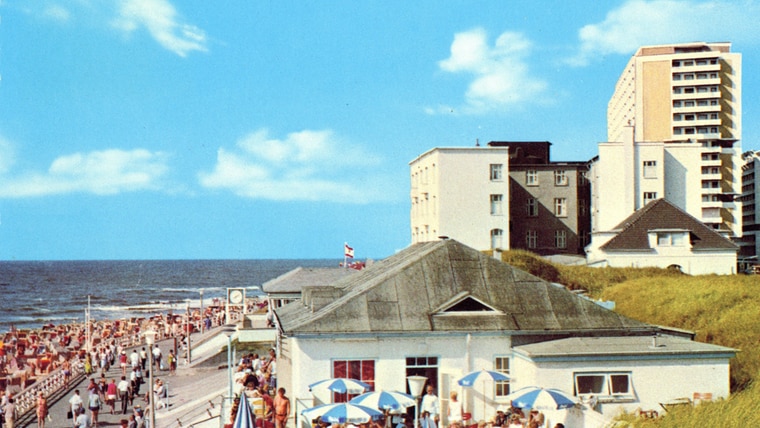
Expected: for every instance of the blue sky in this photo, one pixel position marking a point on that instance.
(160, 129)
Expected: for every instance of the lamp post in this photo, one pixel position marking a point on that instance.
(150, 339)
(416, 383)
(187, 331)
(228, 330)
(203, 317)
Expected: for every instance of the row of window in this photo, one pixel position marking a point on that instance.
(702, 89)
(698, 116)
(531, 176)
(692, 76)
(694, 62)
(423, 176)
(691, 130)
(598, 384)
(560, 239)
(695, 103)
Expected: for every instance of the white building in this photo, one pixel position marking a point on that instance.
(750, 244)
(674, 130)
(441, 310)
(461, 193)
(662, 235)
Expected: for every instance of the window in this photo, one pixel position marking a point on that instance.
(496, 238)
(531, 239)
(671, 239)
(649, 197)
(560, 207)
(560, 239)
(531, 177)
(560, 178)
(604, 385)
(497, 172)
(501, 365)
(496, 202)
(532, 207)
(650, 169)
(363, 370)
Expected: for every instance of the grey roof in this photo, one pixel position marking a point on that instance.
(661, 214)
(294, 280)
(445, 286)
(587, 347)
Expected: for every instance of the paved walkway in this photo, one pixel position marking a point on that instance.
(192, 391)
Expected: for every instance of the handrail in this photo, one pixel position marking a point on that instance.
(26, 400)
(196, 412)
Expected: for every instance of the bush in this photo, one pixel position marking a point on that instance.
(531, 263)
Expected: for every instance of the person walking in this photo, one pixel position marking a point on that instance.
(431, 405)
(9, 411)
(111, 394)
(76, 403)
(281, 409)
(93, 403)
(124, 394)
(42, 410)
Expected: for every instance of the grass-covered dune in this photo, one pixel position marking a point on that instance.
(724, 310)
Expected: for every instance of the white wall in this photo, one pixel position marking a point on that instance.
(457, 355)
(653, 380)
(702, 263)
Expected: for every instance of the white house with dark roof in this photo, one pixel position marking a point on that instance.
(287, 287)
(442, 309)
(662, 235)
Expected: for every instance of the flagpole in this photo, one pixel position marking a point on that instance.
(345, 256)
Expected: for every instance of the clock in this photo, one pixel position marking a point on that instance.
(236, 296)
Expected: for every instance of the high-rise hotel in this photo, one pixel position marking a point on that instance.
(674, 131)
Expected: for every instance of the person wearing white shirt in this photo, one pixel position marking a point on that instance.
(455, 410)
(76, 403)
(430, 404)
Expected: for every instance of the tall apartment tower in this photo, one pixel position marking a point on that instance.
(674, 131)
(463, 194)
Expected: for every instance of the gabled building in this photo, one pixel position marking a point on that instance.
(442, 309)
(662, 235)
(287, 287)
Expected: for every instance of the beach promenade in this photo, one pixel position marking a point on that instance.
(195, 390)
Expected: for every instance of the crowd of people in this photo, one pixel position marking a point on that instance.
(35, 363)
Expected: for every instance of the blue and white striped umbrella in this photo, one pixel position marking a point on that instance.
(245, 417)
(470, 379)
(534, 397)
(384, 400)
(342, 413)
(341, 385)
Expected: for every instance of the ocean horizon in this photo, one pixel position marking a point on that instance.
(56, 291)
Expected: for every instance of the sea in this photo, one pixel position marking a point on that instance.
(35, 293)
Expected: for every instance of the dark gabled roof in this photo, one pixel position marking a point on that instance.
(293, 281)
(663, 215)
(445, 286)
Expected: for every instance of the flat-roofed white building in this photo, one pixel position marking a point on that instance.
(461, 193)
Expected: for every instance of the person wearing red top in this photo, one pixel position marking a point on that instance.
(111, 392)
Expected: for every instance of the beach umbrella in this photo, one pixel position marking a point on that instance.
(342, 413)
(384, 400)
(538, 398)
(470, 379)
(341, 385)
(245, 417)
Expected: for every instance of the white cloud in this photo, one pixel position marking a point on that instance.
(160, 19)
(104, 172)
(640, 22)
(57, 13)
(306, 165)
(501, 76)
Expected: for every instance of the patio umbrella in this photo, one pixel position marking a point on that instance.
(341, 385)
(534, 397)
(481, 375)
(245, 417)
(342, 413)
(384, 400)
(469, 380)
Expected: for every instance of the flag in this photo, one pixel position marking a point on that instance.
(348, 251)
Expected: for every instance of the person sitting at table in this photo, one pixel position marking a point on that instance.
(500, 419)
(455, 410)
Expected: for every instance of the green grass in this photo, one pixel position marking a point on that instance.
(723, 310)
